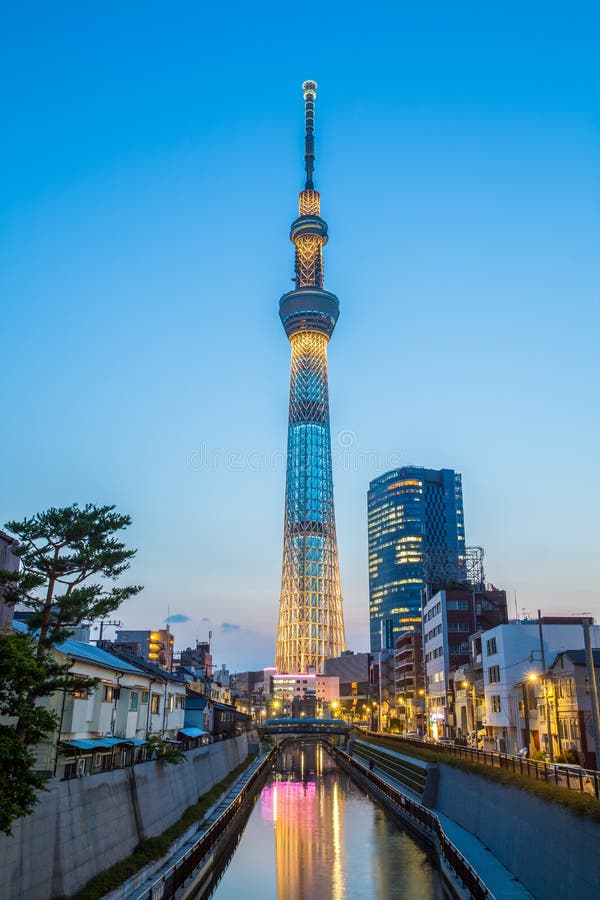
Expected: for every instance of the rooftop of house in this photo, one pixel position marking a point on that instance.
(87, 653)
(578, 657)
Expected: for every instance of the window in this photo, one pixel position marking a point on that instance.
(496, 704)
(155, 704)
(144, 697)
(171, 703)
(491, 646)
(494, 674)
(80, 692)
(109, 693)
(562, 730)
(134, 700)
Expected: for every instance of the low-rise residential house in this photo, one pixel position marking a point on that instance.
(566, 689)
(167, 694)
(198, 713)
(218, 692)
(224, 720)
(114, 707)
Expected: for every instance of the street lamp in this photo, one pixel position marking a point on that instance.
(402, 701)
(466, 685)
(530, 679)
(421, 713)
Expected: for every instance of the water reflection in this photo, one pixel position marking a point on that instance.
(330, 840)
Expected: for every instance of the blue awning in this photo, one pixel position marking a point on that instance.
(136, 742)
(94, 743)
(192, 732)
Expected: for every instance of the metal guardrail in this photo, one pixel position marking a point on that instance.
(175, 876)
(461, 867)
(410, 775)
(584, 780)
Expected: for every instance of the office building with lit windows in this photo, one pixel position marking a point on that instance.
(416, 533)
(152, 646)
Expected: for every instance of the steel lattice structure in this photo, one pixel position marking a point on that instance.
(311, 624)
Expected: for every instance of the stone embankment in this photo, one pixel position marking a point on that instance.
(83, 826)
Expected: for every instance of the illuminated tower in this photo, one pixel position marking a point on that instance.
(311, 624)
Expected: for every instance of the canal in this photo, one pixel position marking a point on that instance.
(314, 834)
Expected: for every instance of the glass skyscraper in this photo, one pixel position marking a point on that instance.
(311, 625)
(416, 533)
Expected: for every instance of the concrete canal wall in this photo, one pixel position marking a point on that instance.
(551, 852)
(85, 825)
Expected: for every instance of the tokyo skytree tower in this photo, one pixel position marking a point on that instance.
(311, 623)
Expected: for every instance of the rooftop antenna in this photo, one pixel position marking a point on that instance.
(310, 94)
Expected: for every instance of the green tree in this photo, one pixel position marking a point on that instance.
(68, 557)
(22, 675)
(164, 752)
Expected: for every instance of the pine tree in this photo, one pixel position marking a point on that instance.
(68, 557)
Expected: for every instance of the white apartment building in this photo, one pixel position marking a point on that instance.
(510, 656)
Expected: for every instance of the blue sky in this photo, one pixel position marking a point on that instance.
(151, 159)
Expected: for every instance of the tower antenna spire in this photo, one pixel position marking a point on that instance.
(310, 95)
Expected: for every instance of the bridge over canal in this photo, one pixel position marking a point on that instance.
(305, 726)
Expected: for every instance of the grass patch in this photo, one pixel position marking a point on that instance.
(156, 847)
(579, 804)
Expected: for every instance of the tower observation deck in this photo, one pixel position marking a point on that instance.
(311, 624)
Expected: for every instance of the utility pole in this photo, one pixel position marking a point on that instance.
(547, 702)
(589, 656)
(524, 688)
(107, 622)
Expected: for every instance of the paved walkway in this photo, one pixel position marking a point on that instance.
(502, 883)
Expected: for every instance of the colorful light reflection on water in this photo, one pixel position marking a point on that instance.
(314, 834)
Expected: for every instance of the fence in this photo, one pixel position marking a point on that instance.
(122, 755)
(424, 818)
(574, 778)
